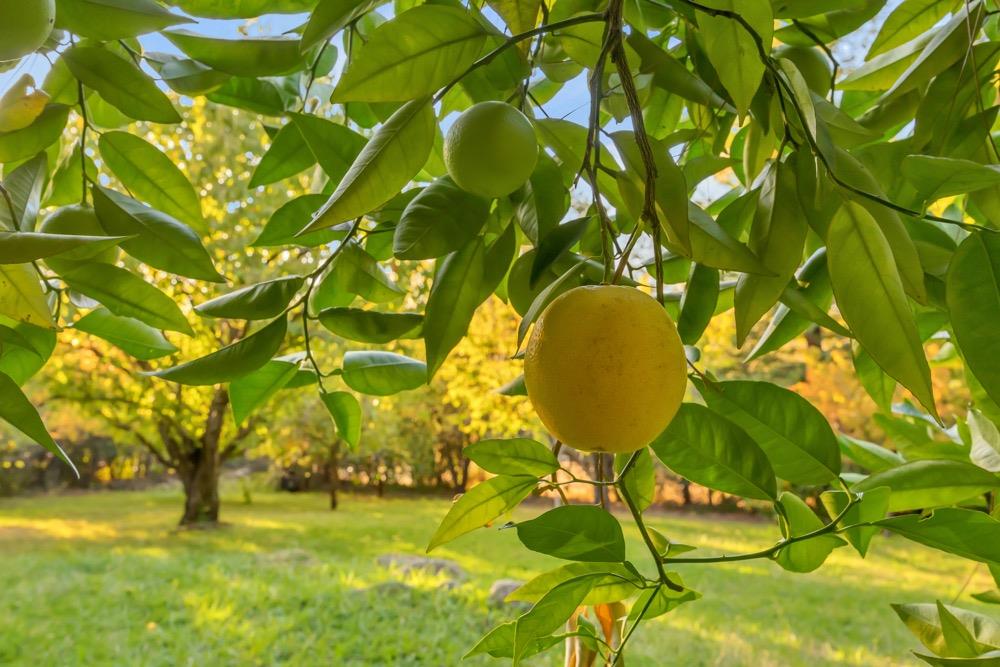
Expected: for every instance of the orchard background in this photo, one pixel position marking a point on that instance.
(237, 261)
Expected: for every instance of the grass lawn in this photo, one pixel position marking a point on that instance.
(103, 579)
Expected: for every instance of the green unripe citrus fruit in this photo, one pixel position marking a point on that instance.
(25, 26)
(491, 149)
(79, 221)
(814, 66)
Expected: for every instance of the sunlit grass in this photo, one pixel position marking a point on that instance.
(104, 579)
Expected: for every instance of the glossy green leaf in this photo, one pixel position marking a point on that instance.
(907, 21)
(873, 506)
(549, 614)
(270, 97)
(120, 83)
(249, 392)
(973, 297)
(924, 621)
(557, 242)
(670, 74)
(515, 456)
(868, 455)
(382, 373)
(611, 582)
(985, 435)
(798, 440)
(283, 226)
(412, 55)
(249, 56)
(441, 219)
(286, 156)
(456, 293)
(186, 76)
(345, 410)
(711, 451)
(698, 303)
(937, 177)
(733, 51)
(24, 184)
(330, 17)
(233, 361)
(713, 246)
(370, 326)
(640, 479)
(967, 533)
(660, 600)
(42, 133)
(481, 505)
(131, 335)
(241, 9)
(354, 271)
(156, 238)
(127, 295)
(151, 176)
(870, 297)
(933, 483)
(394, 154)
(334, 146)
(26, 348)
(108, 20)
(575, 532)
(261, 301)
(24, 247)
(799, 519)
(17, 410)
(21, 295)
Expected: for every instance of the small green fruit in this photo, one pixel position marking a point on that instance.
(491, 149)
(25, 26)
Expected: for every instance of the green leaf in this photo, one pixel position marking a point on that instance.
(799, 519)
(711, 451)
(24, 184)
(233, 361)
(973, 297)
(868, 455)
(516, 456)
(798, 301)
(938, 177)
(370, 326)
(270, 97)
(108, 20)
(185, 76)
(670, 74)
(664, 600)
(907, 21)
(249, 56)
(966, 533)
(713, 246)
(24, 247)
(261, 301)
(125, 294)
(334, 146)
(929, 484)
(284, 225)
(254, 389)
(575, 532)
(159, 240)
(544, 298)
(985, 436)
(544, 200)
(120, 83)
(870, 297)
(42, 133)
(17, 410)
(776, 237)
(957, 637)
(456, 293)
(640, 479)
(354, 271)
(151, 176)
(499, 643)
(21, 295)
(554, 244)
(411, 55)
(481, 505)
(873, 506)
(394, 154)
(286, 156)
(925, 622)
(26, 348)
(241, 9)
(549, 614)
(345, 410)
(698, 303)
(798, 440)
(611, 582)
(382, 373)
(330, 17)
(441, 219)
(732, 51)
(131, 335)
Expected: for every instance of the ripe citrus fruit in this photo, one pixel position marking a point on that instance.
(491, 149)
(81, 221)
(605, 368)
(811, 63)
(25, 27)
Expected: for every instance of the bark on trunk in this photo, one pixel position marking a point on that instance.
(201, 492)
(331, 473)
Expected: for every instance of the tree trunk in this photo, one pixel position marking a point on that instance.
(464, 479)
(331, 472)
(201, 491)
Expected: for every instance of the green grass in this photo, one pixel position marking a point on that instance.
(103, 579)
